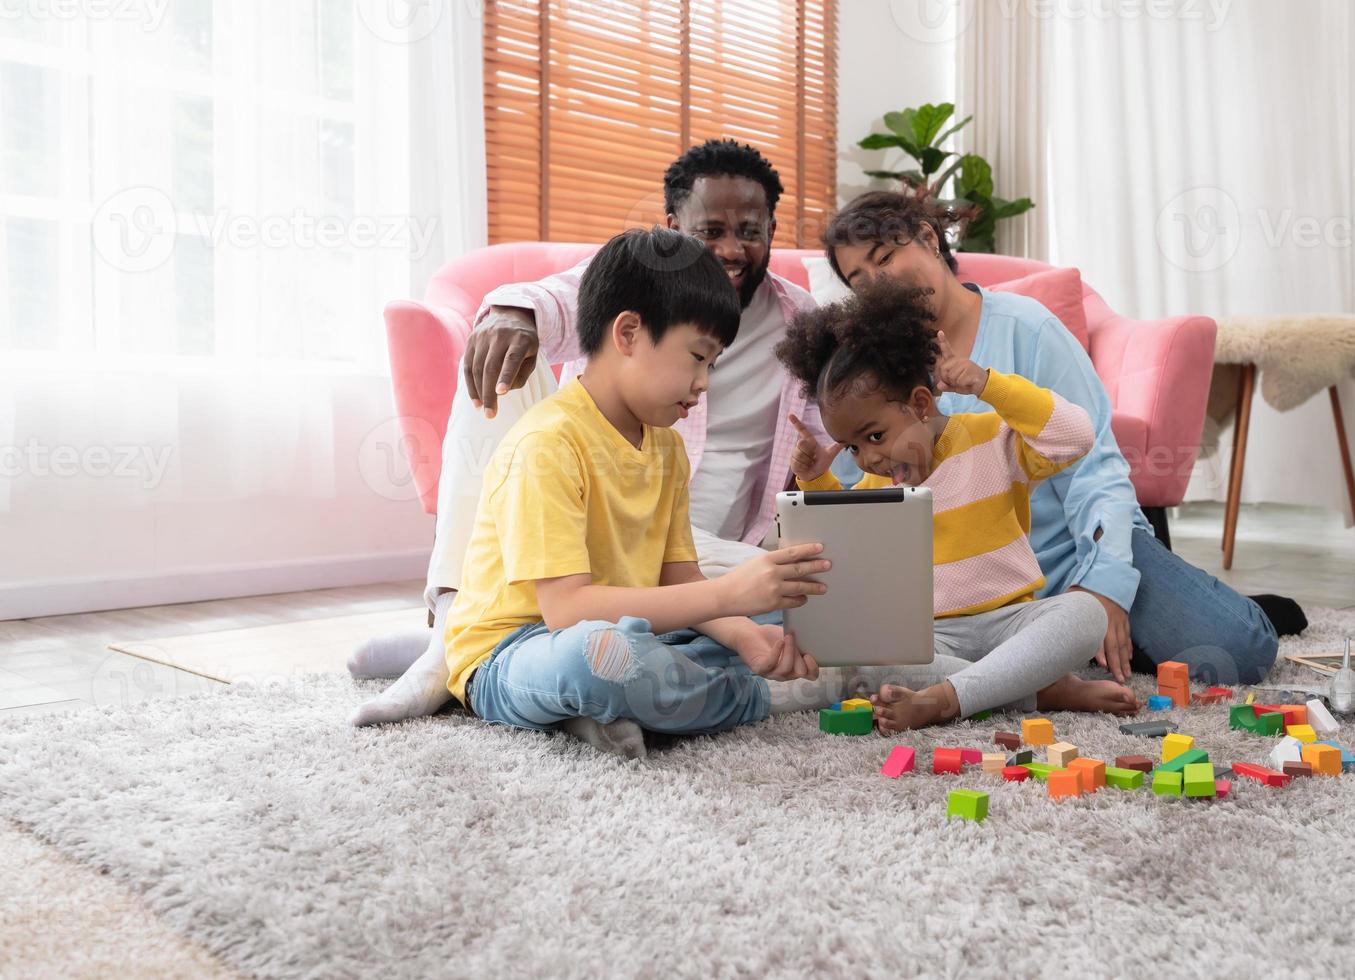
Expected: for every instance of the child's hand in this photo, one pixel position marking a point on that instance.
(776, 580)
(811, 460)
(771, 652)
(955, 373)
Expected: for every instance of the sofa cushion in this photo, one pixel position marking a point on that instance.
(1060, 290)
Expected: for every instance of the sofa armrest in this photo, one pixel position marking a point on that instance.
(425, 344)
(1159, 371)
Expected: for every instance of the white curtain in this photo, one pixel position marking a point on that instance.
(1200, 160)
(204, 207)
(1003, 81)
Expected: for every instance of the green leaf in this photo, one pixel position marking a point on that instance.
(954, 129)
(886, 174)
(928, 119)
(1010, 209)
(946, 174)
(976, 177)
(932, 158)
(983, 243)
(901, 123)
(881, 141)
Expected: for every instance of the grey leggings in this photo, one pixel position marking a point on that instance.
(1000, 659)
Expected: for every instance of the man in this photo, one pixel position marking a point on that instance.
(738, 437)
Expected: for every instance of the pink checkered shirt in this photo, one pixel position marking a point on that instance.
(555, 300)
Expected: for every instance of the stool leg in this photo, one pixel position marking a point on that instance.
(1345, 446)
(1243, 423)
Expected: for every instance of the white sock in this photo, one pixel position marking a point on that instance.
(388, 655)
(806, 695)
(622, 737)
(422, 689)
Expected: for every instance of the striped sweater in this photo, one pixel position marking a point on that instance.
(984, 466)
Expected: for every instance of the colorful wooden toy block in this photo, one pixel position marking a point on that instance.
(994, 762)
(1008, 740)
(1272, 723)
(1222, 787)
(1325, 760)
(1198, 779)
(1186, 758)
(947, 761)
(1294, 714)
(1215, 695)
(1124, 778)
(981, 715)
(849, 722)
(900, 760)
(1021, 758)
(1304, 733)
(1064, 783)
(1241, 717)
(857, 704)
(1140, 762)
(1147, 729)
(1159, 702)
(971, 757)
(1260, 709)
(1060, 754)
(1041, 770)
(1261, 774)
(1297, 769)
(1173, 673)
(1015, 774)
(1037, 731)
(1174, 744)
(1167, 783)
(967, 804)
(1092, 772)
(1347, 760)
(1287, 749)
(1251, 697)
(1320, 718)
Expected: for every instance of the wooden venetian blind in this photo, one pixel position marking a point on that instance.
(587, 102)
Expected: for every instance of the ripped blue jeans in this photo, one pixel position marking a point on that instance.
(682, 682)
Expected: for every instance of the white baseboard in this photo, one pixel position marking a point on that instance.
(60, 597)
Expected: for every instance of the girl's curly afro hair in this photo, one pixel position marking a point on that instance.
(881, 335)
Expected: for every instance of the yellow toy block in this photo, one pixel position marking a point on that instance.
(1304, 733)
(1037, 731)
(1174, 744)
(1061, 753)
(1325, 760)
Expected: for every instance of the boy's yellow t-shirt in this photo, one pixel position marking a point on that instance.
(564, 494)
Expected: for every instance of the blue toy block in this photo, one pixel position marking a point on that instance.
(1159, 702)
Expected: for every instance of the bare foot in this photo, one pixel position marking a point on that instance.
(1072, 693)
(898, 709)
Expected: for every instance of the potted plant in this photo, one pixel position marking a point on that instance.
(919, 133)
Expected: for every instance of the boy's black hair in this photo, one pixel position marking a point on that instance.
(719, 158)
(665, 277)
(888, 216)
(881, 335)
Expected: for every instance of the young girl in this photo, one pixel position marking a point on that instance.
(875, 367)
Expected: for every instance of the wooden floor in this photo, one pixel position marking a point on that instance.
(61, 663)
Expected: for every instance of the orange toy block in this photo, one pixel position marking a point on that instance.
(1294, 714)
(1091, 772)
(1325, 760)
(1037, 731)
(1173, 674)
(1180, 695)
(1064, 783)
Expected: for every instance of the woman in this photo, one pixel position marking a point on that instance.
(1086, 526)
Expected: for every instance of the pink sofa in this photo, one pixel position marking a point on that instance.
(1156, 371)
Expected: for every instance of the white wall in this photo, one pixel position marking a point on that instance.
(890, 56)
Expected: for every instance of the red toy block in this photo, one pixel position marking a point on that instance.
(947, 761)
(1008, 740)
(1172, 673)
(971, 757)
(1297, 769)
(1015, 774)
(1265, 709)
(1262, 774)
(1222, 787)
(1140, 762)
(1222, 693)
(900, 760)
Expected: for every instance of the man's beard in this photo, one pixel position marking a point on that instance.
(752, 280)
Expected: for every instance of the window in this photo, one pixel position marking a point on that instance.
(586, 104)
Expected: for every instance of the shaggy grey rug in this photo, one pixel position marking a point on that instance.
(257, 823)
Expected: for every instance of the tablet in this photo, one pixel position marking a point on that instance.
(878, 608)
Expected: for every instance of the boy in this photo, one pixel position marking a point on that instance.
(582, 601)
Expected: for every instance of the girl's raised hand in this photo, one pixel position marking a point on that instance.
(811, 460)
(955, 373)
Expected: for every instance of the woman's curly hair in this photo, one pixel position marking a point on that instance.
(882, 335)
(890, 216)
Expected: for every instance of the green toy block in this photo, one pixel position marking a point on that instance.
(980, 716)
(1242, 716)
(1198, 779)
(847, 722)
(1124, 778)
(1041, 770)
(968, 804)
(1167, 783)
(1187, 758)
(1270, 723)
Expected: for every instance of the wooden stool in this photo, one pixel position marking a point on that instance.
(1244, 397)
